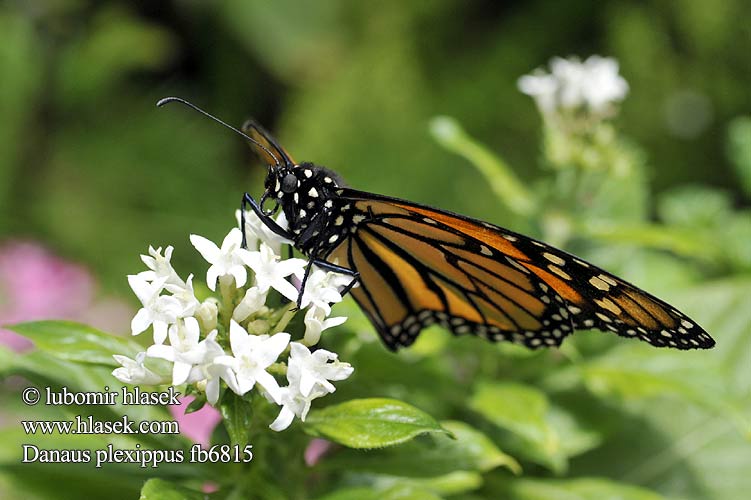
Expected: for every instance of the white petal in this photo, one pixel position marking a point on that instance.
(205, 247)
(286, 288)
(180, 372)
(225, 360)
(240, 274)
(244, 384)
(141, 321)
(160, 331)
(270, 385)
(305, 409)
(124, 360)
(290, 266)
(121, 374)
(237, 337)
(233, 240)
(284, 420)
(141, 288)
(332, 322)
(211, 276)
(161, 351)
(272, 348)
(192, 330)
(212, 391)
(307, 381)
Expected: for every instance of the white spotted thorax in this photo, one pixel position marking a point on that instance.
(309, 197)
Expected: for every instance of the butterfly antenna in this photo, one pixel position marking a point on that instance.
(167, 100)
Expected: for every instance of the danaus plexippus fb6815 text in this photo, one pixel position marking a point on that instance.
(417, 265)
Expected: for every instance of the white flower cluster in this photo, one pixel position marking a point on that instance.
(199, 333)
(593, 85)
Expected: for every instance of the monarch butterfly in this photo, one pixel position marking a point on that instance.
(417, 265)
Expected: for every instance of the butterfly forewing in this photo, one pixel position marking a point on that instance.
(419, 265)
(267, 148)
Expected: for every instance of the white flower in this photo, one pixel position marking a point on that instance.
(184, 293)
(210, 373)
(158, 310)
(603, 83)
(593, 84)
(308, 375)
(160, 267)
(542, 87)
(293, 403)
(253, 354)
(322, 289)
(184, 350)
(252, 302)
(257, 232)
(227, 260)
(316, 322)
(271, 272)
(133, 371)
(311, 372)
(208, 314)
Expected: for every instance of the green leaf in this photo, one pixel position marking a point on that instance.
(452, 483)
(538, 430)
(159, 489)
(430, 456)
(76, 342)
(739, 150)
(694, 206)
(237, 414)
(631, 371)
(577, 489)
(396, 492)
(371, 423)
(196, 404)
(516, 407)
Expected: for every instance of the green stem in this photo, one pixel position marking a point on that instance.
(284, 320)
(501, 177)
(227, 290)
(681, 242)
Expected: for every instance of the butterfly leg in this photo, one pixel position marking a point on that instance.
(327, 266)
(248, 200)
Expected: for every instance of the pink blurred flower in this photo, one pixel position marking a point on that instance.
(35, 284)
(315, 451)
(198, 425)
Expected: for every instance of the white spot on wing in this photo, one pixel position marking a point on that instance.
(560, 272)
(554, 258)
(599, 284)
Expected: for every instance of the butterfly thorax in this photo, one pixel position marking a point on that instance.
(309, 196)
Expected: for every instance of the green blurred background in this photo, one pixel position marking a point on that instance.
(90, 167)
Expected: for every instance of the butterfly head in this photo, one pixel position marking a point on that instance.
(302, 191)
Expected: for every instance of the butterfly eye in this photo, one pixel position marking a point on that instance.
(289, 183)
